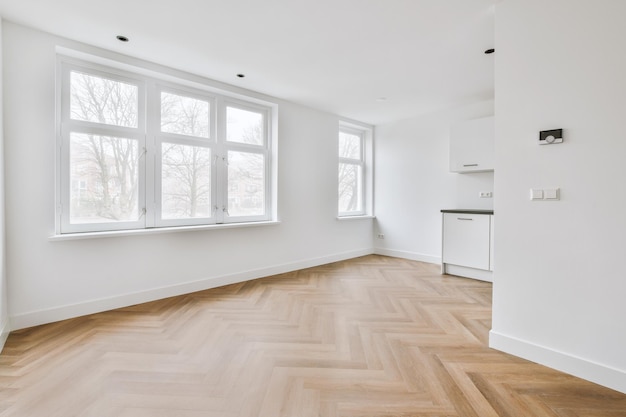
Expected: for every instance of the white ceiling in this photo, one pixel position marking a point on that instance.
(341, 56)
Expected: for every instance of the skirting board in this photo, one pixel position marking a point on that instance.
(408, 255)
(463, 271)
(36, 318)
(579, 367)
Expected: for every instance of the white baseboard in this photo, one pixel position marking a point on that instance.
(463, 271)
(579, 367)
(35, 318)
(408, 255)
(5, 329)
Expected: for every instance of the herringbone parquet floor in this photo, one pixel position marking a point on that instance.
(368, 337)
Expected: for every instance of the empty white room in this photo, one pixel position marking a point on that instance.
(312, 208)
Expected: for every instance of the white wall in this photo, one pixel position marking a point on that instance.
(4, 310)
(51, 280)
(559, 286)
(413, 182)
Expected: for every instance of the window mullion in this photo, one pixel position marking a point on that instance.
(152, 171)
(220, 167)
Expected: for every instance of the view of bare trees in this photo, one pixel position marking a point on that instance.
(186, 181)
(185, 169)
(349, 172)
(103, 168)
(184, 115)
(101, 100)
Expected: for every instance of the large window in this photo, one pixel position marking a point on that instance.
(136, 152)
(354, 182)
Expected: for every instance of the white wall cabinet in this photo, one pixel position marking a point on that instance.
(472, 145)
(467, 244)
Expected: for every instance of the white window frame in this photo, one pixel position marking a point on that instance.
(263, 150)
(364, 163)
(67, 126)
(150, 138)
(155, 218)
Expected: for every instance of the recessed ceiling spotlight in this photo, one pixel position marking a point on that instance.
(122, 38)
(490, 51)
(241, 75)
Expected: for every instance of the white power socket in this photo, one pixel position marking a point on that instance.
(485, 194)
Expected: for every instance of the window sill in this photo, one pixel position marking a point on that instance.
(359, 217)
(157, 230)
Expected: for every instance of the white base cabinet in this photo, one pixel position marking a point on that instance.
(467, 244)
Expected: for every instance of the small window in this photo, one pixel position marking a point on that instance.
(352, 172)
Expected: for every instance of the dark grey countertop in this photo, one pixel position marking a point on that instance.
(468, 211)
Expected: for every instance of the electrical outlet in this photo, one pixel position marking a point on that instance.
(485, 194)
(381, 236)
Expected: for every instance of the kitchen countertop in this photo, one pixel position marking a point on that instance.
(468, 211)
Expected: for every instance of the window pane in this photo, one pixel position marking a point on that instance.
(186, 181)
(184, 115)
(244, 126)
(350, 188)
(101, 100)
(246, 184)
(349, 146)
(103, 179)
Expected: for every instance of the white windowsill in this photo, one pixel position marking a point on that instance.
(359, 217)
(158, 230)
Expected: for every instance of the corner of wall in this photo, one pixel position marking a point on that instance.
(5, 329)
(413, 256)
(4, 310)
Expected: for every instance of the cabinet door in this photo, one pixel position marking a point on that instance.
(472, 146)
(466, 240)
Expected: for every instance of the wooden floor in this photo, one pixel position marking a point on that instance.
(369, 337)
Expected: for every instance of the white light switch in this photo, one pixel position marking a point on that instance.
(551, 194)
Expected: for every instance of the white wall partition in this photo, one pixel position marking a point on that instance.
(51, 280)
(559, 285)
